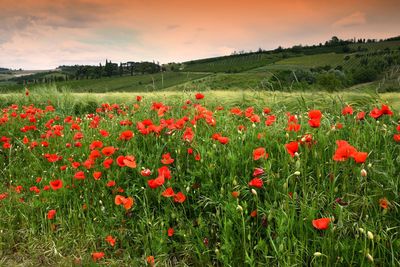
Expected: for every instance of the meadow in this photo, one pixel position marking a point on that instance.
(216, 178)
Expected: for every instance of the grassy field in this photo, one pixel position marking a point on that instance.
(147, 82)
(313, 57)
(223, 178)
(313, 61)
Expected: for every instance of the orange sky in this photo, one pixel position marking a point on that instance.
(39, 34)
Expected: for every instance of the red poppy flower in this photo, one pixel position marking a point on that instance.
(56, 184)
(259, 153)
(293, 127)
(396, 137)
(292, 148)
(344, 151)
(104, 133)
(150, 260)
(215, 136)
(383, 203)
(253, 214)
(171, 231)
(107, 163)
(270, 120)
(236, 111)
(108, 151)
(314, 123)
(223, 140)
(79, 175)
(179, 197)
(127, 202)
(166, 159)
(126, 135)
(97, 175)
(255, 118)
(96, 144)
(75, 164)
(360, 115)
(78, 136)
(321, 224)
(386, 110)
(169, 192)
(188, 135)
(314, 114)
(154, 183)
(256, 182)
(52, 157)
(258, 171)
(164, 171)
(235, 194)
(360, 157)
(110, 240)
(97, 256)
(51, 214)
(348, 110)
(376, 113)
(266, 110)
(199, 96)
(110, 183)
(145, 172)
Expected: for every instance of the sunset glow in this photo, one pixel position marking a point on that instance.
(45, 34)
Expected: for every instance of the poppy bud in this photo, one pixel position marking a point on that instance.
(297, 164)
(239, 208)
(297, 173)
(369, 257)
(317, 254)
(254, 192)
(363, 173)
(285, 186)
(369, 165)
(370, 235)
(361, 230)
(296, 154)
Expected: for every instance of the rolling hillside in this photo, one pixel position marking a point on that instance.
(323, 67)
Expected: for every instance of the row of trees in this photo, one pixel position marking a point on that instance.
(110, 69)
(333, 78)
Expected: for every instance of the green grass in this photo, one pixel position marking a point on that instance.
(212, 228)
(313, 61)
(147, 82)
(238, 63)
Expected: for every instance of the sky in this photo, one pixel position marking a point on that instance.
(43, 34)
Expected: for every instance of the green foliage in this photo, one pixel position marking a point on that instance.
(212, 228)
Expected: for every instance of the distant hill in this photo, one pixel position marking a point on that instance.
(334, 65)
(333, 52)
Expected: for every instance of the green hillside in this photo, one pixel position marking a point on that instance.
(335, 65)
(147, 82)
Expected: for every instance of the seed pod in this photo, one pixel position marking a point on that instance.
(370, 235)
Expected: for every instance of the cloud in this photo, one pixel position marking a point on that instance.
(172, 27)
(355, 19)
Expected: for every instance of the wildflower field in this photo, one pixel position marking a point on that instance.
(196, 181)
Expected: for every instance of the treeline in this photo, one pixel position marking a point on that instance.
(370, 67)
(334, 45)
(109, 69)
(79, 72)
(4, 70)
